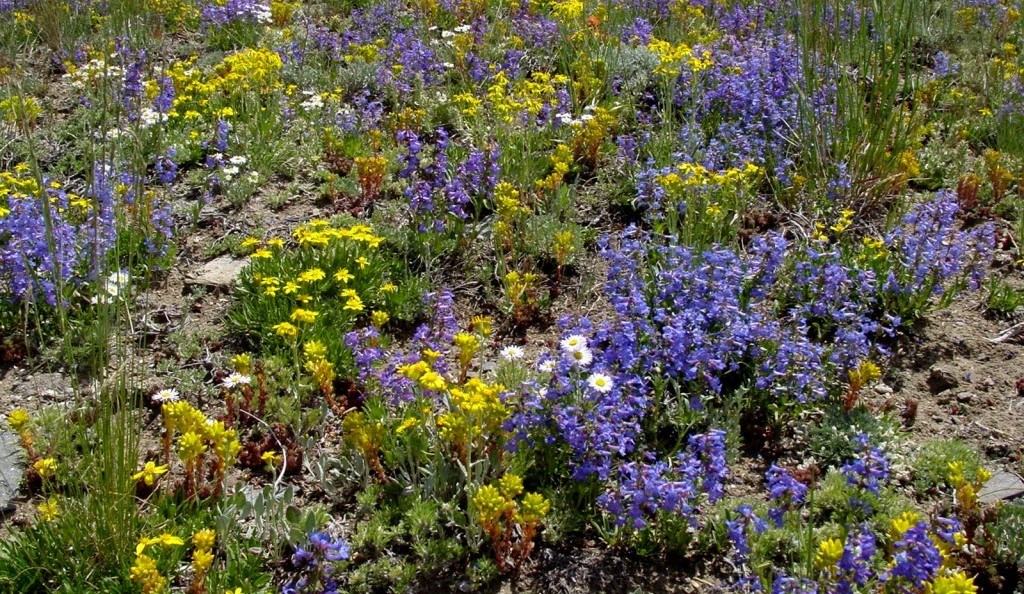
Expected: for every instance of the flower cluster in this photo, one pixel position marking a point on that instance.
(315, 564)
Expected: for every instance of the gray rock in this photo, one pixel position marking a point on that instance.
(1002, 485)
(941, 379)
(882, 389)
(11, 469)
(219, 273)
(944, 398)
(965, 397)
(44, 385)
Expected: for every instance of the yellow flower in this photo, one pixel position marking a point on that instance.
(291, 288)
(829, 552)
(18, 419)
(46, 467)
(389, 288)
(312, 275)
(432, 380)
(276, 243)
(406, 425)
(191, 447)
(533, 508)
(286, 330)
(490, 505)
(271, 460)
(362, 262)
(343, 276)
(202, 560)
(149, 473)
(314, 350)
(353, 304)
(379, 318)
(482, 324)
(510, 485)
(956, 583)
(262, 254)
(165, 540)
(250, 242)
(304, 316)
(48, 510)
(204, 539)
(242, 363)
(904, 522)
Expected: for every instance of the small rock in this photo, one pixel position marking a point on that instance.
(882, 389)
(10, 469)
(1002, 485)
(945, 398)
(965, 397)
(940, 379)
(220, 272)
(997, 450)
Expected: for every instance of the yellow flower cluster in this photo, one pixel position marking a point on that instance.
(954, 583)
(320, 233)
(829, 553)
(672, 57)
(966, 489)
(561, 161)
(250, 69)
(495, 501)
(529, 95)
(696, 176)
(476, 414)
(567, 10)
(144, 571)
(202, 558)
(197, 436)
(864, 374)
(590, 134)
(421, 373)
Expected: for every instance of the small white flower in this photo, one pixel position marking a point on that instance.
(236, 379)
(512, 353)
(547, 366)
(239, 160)
(600, 382)
(253, 177)
(166, 395)
(231, 170)
(575, 342)
(462, 28)
(582, 357)
(446, 34)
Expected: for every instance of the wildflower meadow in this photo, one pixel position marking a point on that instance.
(631, 296)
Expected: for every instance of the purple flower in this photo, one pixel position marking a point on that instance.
(915, 556)
(786, 490)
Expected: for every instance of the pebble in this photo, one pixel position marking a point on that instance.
(941, 379)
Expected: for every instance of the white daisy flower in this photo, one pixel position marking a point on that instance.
(239, 160)
(166, 395)
(236, 379)
(600, 382)
(575, 342)
(512, 353)
(581, 357)
(547, 366)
